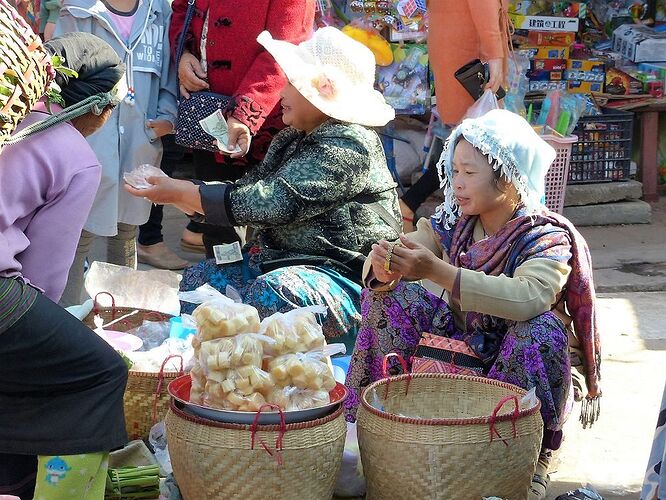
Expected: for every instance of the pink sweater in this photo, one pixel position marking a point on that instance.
(47, 185)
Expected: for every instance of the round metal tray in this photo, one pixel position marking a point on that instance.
(179, 389)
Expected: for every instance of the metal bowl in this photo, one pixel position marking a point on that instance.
(179, 389)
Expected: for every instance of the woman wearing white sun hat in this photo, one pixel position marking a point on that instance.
(321, 197)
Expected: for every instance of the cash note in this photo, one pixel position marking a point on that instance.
(215, 125)
(225, 254)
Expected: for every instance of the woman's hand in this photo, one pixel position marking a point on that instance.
(167, 191)
(239, 135)
(413, 260)
(495, 77)
(191, 76)
(378, 259)
(160, 127)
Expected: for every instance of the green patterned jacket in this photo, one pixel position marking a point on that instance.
(325, 195)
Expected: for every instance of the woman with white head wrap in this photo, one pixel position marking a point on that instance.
(517, 278)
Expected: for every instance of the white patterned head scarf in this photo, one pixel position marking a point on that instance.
(511, 145)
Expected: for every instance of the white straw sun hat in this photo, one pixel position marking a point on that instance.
(335, 73)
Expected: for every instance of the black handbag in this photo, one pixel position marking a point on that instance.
(189, 132)
(473, 76)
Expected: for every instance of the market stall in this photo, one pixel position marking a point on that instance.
(596, 64)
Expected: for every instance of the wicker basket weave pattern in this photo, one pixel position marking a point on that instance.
(213, 460)
(24, 70)
(146, 397)
(455, 448)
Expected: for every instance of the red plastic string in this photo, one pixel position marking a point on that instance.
(514, 417)
(278, 440)
(160, 382)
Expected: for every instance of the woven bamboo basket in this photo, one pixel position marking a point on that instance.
(444, 436)
(24, 70)
(214, 460)
(146, 396)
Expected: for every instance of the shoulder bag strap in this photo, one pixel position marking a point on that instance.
(183, 36)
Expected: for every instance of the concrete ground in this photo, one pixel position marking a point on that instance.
(630, 275)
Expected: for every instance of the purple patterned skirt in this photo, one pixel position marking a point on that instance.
(528, 354)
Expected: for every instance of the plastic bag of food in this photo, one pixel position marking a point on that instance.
(138, 178)
(292, 398)
(294, 331)
(243, 389)
(153, 333)
(231, 352)
(224, 318)
(310, 370)
(198, 384)
(247, 380)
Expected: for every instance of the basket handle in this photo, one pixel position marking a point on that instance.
(278, 440)
(160, 382)
(96, 307)
(157, 316)
(514, 417)
(387, 376)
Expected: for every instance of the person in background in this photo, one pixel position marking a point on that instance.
(61, 385)
(137, 31)
(29, 11)
(459, 32)
(222, 55)
(151, 248)
(48, 16)
(518, 280)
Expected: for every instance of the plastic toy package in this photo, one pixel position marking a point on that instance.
(405, 83)
(517, 83)
(561, 111)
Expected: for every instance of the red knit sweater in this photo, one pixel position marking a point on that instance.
(237, 65)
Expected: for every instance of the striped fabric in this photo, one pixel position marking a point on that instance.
(16, 297)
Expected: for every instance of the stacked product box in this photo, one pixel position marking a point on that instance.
(584, 76)
(547, 62)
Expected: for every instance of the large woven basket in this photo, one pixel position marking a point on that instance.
(213, 460)
(444, 436)
(146, 396)
(24, 69)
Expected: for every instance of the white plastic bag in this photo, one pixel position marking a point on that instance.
(154, 290)
(487, 102)
(137, 178)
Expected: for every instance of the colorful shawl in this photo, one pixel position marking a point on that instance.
(526, 237)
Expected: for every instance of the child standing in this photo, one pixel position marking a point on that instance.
(137, 30)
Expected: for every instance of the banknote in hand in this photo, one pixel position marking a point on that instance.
(215, 125)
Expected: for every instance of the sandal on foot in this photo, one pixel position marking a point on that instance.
(538, 487)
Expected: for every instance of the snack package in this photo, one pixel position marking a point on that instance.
(232, 352)
(198, 384)
(243, 389)
(310, 370)
(292, 398)
(224, 318)
(294, 331)
(137, 178)
(219, 316)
